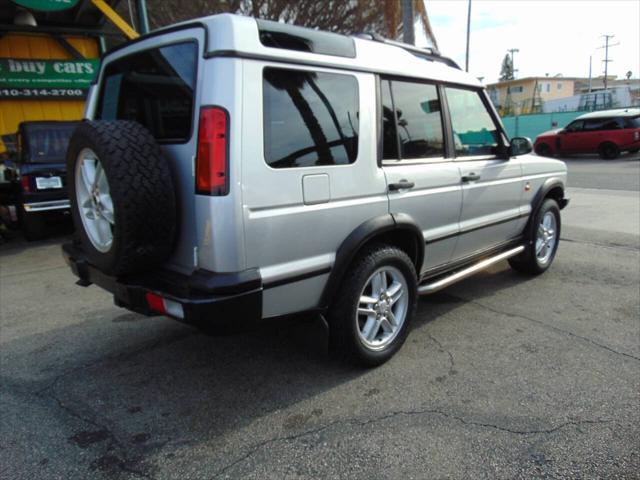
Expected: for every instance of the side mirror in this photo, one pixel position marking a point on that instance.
(520, 146)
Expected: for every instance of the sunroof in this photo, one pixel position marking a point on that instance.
(291, 37)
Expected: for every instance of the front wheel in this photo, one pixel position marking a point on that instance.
(370, 318)
(608, 151)
(543, 240)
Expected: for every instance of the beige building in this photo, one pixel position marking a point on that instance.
(526, 95)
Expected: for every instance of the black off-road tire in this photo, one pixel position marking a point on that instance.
(608, 151)
(33, 225)
(142, 190)
(344, 341)
(527, 262)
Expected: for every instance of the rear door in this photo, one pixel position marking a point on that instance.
(154, 82)
(42, 150)
(422, 182)
(309, 174)
(631, 131)
(491, 185)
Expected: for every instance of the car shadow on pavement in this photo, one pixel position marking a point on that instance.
(147, 387)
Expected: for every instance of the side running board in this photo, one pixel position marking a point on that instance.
(441, 283)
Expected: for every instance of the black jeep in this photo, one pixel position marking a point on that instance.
(38, 174)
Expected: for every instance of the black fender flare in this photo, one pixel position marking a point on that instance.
(542, 193)
(362, 234)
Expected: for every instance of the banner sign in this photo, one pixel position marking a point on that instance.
(24, 78)
(47, 5)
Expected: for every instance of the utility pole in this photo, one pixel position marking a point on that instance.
(513, 65)
(408, 19)
(466, 60)
(590, 57)
(606, 60)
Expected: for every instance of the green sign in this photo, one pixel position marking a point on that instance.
(47, 5)
(21, 77)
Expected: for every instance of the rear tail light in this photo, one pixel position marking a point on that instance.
(164, 306)
(24, 180)
(636, 135)
(212, 162)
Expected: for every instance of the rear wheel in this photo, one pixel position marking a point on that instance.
(608, 151)
(370, 319)
(542, 245)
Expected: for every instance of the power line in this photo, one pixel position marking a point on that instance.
(606, 60)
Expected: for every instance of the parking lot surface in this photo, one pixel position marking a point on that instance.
(503, 376)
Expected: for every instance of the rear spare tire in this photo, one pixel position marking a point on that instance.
(122, 196)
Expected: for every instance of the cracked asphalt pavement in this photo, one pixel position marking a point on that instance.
(502, 376)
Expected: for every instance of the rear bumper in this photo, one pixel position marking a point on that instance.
(34, 207)
(204, 297)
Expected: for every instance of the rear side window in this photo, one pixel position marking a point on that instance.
(155, 88)
(474, 131)
(413, 111)
(602, 124)
(632, 122)
(310, 118)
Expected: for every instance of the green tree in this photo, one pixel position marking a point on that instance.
(341, 16)
(506, 71)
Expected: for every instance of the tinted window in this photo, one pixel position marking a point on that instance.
(389, 135)
(47, 143)
(574, 126)
(601, 124)
(418, 120)
(154, 88)
(310, 118)
(632, 122)
(474, 132)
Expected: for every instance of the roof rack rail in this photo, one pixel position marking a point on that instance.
(428, 53)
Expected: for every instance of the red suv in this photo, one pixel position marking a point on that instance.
(607, 133)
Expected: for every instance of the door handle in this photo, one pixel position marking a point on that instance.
(401, 185)
(471, 177)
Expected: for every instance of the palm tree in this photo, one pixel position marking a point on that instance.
(393, 19)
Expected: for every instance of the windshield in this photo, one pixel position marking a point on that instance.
(47, 143)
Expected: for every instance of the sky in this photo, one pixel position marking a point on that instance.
(553, 36)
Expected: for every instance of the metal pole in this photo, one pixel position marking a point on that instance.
(408, 35)
(466, 61)
(606, 61)
(590, 57)
(142, 18)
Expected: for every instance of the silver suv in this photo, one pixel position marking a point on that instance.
(232, 170)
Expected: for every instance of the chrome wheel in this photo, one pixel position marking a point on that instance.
(94, 200)
(547, 238)
(382, 308)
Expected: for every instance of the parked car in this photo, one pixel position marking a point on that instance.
(607, 133)
(234, 170)
(38, 174)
